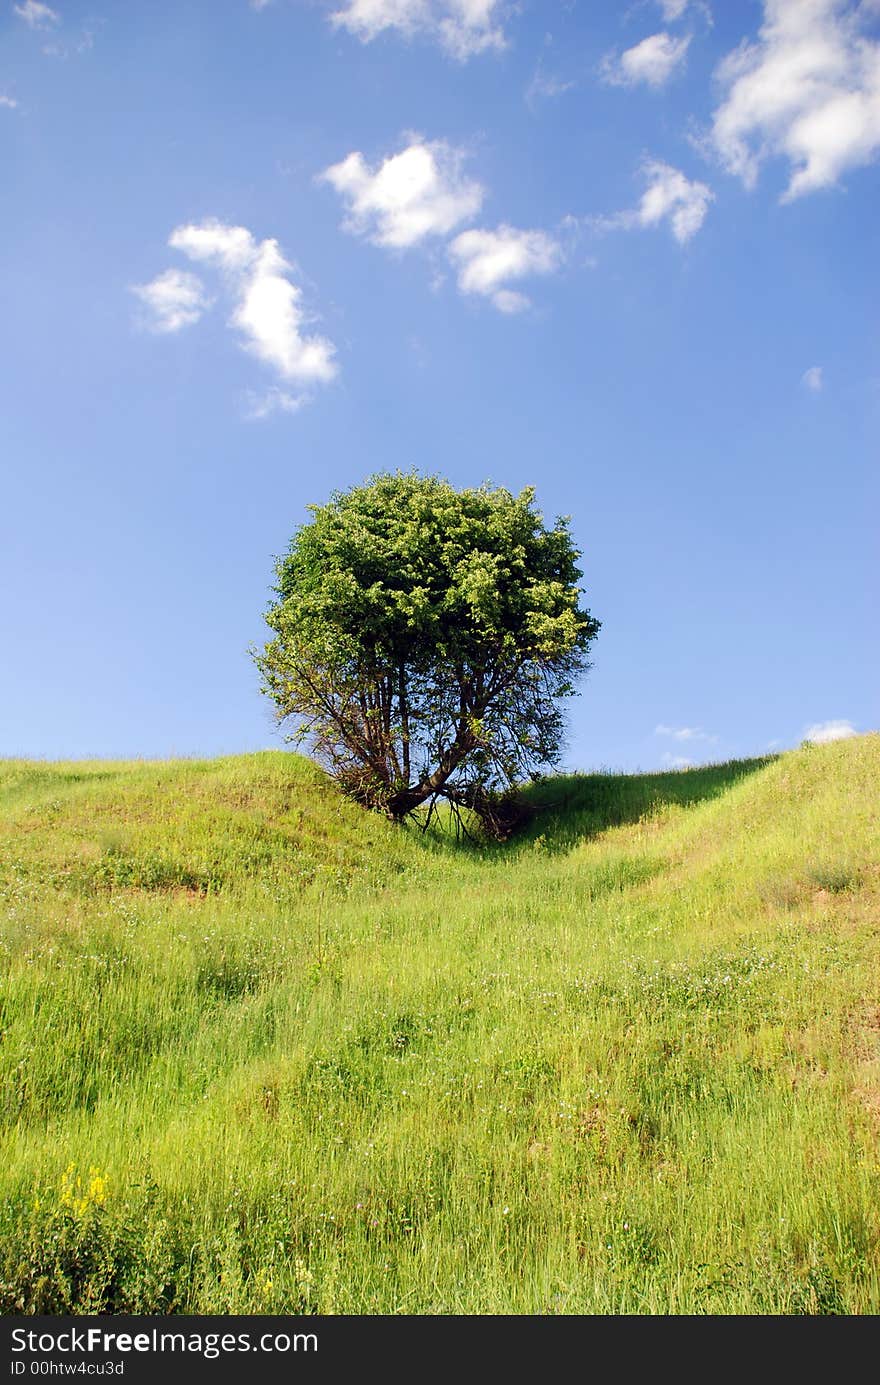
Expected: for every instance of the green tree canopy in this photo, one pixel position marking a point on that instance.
(423, 638)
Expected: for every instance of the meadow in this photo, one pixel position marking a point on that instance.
(263, 1052)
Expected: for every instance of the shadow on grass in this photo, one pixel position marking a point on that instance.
(569, 808)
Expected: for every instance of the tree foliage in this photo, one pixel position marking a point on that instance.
(423, 639)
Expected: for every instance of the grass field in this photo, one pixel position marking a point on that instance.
(262, 1052)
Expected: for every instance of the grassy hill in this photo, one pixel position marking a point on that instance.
(262, 1052)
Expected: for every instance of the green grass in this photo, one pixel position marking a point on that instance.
(262, 1052)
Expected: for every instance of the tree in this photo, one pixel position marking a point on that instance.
(423, 640)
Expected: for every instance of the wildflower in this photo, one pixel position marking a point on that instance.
(97, 1187)
(77, 1195)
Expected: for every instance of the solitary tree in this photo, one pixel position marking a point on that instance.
(423, 638)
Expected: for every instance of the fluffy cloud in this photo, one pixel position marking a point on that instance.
(652, 61)
(488, 260)
(267, 307)
(825, 731)
(417, 193)
(268, 312)
(173, 300)
(37, 15)
(463, 28)
(668, 196)
(9, 101)
(676, 761)
(808, 90)
(230, 248)
(812, 379)
(422, 193)
(685, 733)
(673, 197)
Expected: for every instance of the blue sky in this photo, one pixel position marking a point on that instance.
(253, 253)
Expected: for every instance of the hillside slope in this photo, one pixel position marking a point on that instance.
(262, 1052)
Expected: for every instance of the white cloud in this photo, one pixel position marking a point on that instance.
(173, 299)
(685, 733)
(417, 193)
(268, 312)
(9, 101)
(807, 90)
(669, 196)
(270, 317)
(464, 28)
(35, 14)
(83, 44)
(488, 260)
(421, 193)
(673, 10)
(273, 401)
(676, 761)
(652, 61)
(824, 731)
(545, 85)
(231, 248)
(812, 379)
